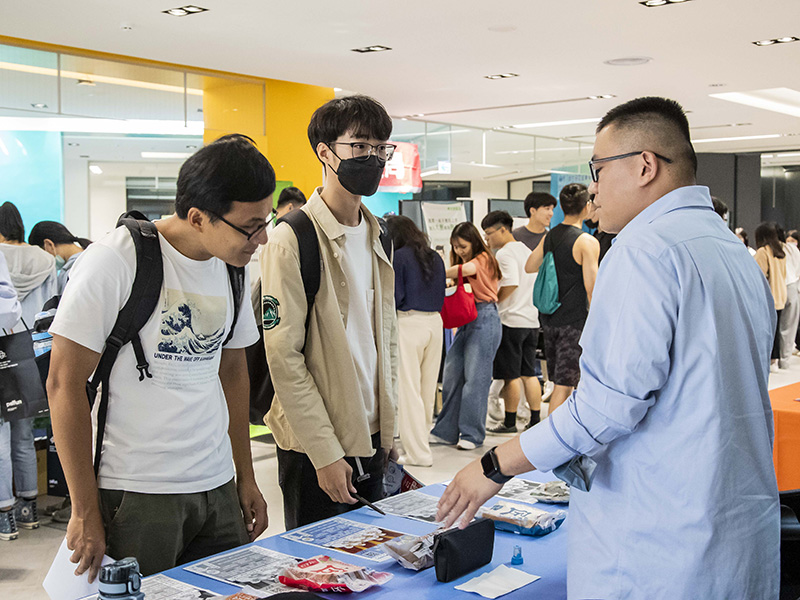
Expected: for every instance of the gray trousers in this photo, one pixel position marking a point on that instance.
(790, 316)
(165, 530)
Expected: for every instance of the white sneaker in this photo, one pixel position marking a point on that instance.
(497, 409)
(549, 386)
(773, 369)
(466, 445)
(435, 440)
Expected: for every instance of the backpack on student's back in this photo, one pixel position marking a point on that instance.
(545, 290)
(142, 303)
(261, 389)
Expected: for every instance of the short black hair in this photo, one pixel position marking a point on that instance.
(230, 169)
(536, 200)
(644, 112)
(719, 206)
(360, 115)
(574, 197)
(11, 226)
(498, 217)
(291, 195)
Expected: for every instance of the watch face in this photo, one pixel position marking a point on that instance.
(488, 464)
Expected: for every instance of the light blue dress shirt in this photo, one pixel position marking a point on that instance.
(673, 407)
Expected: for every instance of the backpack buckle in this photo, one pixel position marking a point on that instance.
(144, 369)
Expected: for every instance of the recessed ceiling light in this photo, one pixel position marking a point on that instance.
(39, 105)
(96, 169)
(716, 85)
(418, 115)
(88, 82)
(183, 11)
(366, 49)
(126, 26)
(191, 146)
(781, 40)
(501, 76)
(629, 61)
(652, 3)
(73, 144)
(602, 97)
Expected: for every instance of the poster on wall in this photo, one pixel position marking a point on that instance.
(439, 222)
(402, 173)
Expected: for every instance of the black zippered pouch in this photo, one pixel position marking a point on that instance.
(457, 552)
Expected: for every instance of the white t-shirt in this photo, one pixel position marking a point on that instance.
(168, 434)
(517, 310)
(792, 263)
(360, 329)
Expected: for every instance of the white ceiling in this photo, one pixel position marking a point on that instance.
(442, 50)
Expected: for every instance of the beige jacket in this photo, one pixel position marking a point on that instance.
(775, 271)
(317, 408)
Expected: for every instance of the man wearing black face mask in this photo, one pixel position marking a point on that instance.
(336, 383)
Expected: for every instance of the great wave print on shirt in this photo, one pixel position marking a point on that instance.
(191, 324)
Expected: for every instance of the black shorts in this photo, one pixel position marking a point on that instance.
(563, 353)
(516, 356)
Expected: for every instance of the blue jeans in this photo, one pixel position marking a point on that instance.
(467, 377)
(17, 456)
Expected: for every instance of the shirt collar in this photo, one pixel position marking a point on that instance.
(690, 196)
(328, 223)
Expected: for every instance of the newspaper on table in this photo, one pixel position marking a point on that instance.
(161, 587)
(344, 535)
(254, 566)
(531, 492)
(412, 505)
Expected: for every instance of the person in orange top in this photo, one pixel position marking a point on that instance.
(468, 364)
(771, 257)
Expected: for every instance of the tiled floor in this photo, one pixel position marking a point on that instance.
(25, 561)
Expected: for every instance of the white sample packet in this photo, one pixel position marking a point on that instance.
(61, 583)
(498, 582)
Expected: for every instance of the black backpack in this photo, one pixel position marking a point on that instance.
(261, 389)
(143, 301)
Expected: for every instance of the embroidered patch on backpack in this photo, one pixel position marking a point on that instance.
(269, 307)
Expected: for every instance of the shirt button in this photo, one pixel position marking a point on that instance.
(335, 255)
(343, 284)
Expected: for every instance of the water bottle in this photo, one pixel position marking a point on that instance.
(121, 581)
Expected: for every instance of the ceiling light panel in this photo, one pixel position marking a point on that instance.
(501, 76)
(740, 138)
(780, 100)
(780, 40)
(654, 3)
(556, 123)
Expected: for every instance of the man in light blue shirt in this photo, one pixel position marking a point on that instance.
(672, 410)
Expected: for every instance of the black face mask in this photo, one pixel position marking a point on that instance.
(361, 177)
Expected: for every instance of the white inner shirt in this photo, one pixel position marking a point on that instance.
(360, 329)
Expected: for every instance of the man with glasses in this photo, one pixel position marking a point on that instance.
(668, 439)
(336, 381)
(165, 492)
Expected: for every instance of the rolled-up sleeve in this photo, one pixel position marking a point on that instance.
(626, 359)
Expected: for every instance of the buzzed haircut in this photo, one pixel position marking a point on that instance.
(573, 197)
(658, 116)
(362, 116)
(536, 200)
(498, 217)
(291, 195)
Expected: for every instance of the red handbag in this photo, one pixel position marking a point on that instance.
(459, 307)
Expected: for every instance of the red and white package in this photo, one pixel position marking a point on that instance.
(326, 574)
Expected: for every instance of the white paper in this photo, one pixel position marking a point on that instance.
(61, 583)
(498, 582)
(161, 587)
(412, 505)
(252, 566)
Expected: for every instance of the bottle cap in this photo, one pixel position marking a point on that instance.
(516, 559)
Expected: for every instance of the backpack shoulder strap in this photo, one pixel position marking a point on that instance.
(308, 248)
(386, 239)
(143, 301)
(236, 277)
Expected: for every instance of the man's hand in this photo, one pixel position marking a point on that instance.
(254, 508)
(86, 536)
(464, 495)
(392, 454)
(336, 480)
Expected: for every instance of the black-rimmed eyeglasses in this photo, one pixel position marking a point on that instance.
(593, 172)
(248, 234)
(363, 150)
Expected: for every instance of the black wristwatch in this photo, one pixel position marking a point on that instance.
(491, 467)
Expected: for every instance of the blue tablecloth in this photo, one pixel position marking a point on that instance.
(544, 556)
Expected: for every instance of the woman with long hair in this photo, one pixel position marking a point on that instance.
(771, 257)
(468, 364)
(419, 284)
(54, 238)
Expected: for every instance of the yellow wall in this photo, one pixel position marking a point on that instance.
(276, 115)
